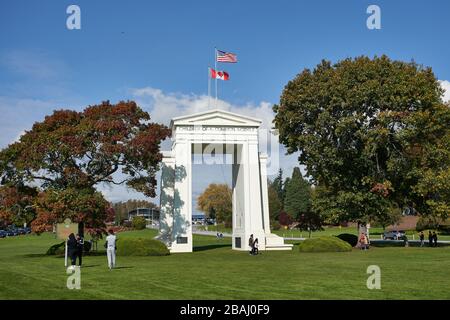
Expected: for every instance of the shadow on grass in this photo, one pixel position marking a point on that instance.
(94, 253)
(90, 266)
(115, 268)
(36, 255)
(211, 247)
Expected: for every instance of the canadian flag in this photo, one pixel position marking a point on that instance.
(221, 75)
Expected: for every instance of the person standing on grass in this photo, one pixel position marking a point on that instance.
(366, 241)
(80, 244)
(435, 238)
(72, 249)
(422, 238)
(430, 239)
(111, 249)
(255, 247)
(250, 244)
(362, 241)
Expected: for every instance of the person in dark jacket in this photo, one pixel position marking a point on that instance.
(422, 238)
(72, 248)
(80, 245)
(250, 244)
(430, 239)
(435, 238)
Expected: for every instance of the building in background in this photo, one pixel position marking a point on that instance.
(150, 214)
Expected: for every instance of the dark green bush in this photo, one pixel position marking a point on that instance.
(324, 244)
(139, 223)
(351, 239)
(56, 249)
(275, 225)
(87, 246)
(141, 247)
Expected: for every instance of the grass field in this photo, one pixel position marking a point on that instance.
(214, 271)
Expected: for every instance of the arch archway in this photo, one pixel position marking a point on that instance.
(216, 131)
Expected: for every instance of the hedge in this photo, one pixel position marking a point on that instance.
(141, 247)
(139, 223)
(351, 239)
(56, 249)
(324, 244)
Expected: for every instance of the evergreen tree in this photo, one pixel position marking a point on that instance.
(278, 186)
(298, 195)
(275, 205)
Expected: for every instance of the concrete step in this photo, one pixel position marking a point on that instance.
(280, 247)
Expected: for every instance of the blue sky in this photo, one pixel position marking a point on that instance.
(157, 53)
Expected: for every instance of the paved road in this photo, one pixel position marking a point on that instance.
(228, 235)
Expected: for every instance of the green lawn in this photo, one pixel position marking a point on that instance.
(214, 271)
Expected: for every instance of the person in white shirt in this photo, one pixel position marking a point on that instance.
(256, 247)
(111, 249)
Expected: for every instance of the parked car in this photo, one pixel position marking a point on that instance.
(12, 232)
(3, 234)
(21, 231)
(27, 230)
(393, 235)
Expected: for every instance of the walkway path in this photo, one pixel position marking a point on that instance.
(228, 235)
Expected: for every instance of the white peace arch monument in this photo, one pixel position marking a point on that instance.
(236, 136)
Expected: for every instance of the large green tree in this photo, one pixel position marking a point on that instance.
(371, 133)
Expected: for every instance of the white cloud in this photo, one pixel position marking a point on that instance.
(445, 84)
(165, 106)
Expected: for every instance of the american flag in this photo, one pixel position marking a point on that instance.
(223, 56)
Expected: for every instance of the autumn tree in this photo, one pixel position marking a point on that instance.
(372, 134)
(17, 205)
(216, 200)
(73, 152)
(79, 205)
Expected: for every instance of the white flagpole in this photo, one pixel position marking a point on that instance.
(215, 67)
(209, 87)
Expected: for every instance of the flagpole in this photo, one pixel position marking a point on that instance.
(209, 87)
(215, 68)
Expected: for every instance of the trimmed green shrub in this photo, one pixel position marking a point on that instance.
(275, 225)
(87, 246)
(56, 249)
(324, 244)
(351, 239)
(141, 247)
(139, 223)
